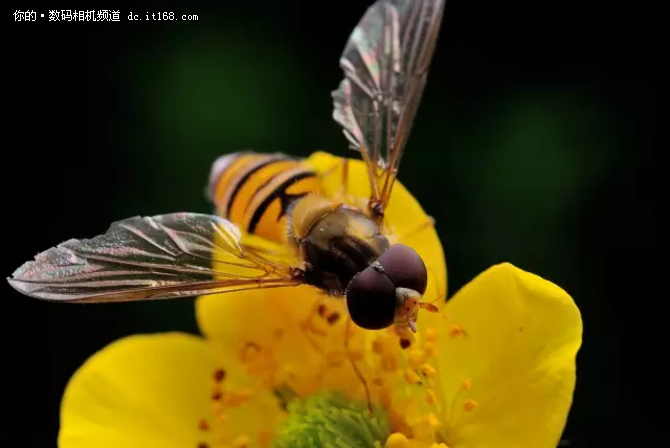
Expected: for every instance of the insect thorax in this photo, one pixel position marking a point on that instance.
(338, 246)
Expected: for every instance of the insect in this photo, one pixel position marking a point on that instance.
(337, 245)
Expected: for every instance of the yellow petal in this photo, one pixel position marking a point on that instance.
(148, 390)
(507, 361)
(237, 318)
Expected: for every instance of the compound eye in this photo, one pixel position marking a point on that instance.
(405, 268)
(371, 300)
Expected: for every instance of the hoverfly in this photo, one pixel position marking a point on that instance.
(338, 246)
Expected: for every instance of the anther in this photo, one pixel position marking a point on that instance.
(422, 427)
(223, 418)
(433, 421)
(216, 394)
(322, 310)
(356, 355)
(416, 357)
(203, 445)
(456, 330)
(431, 334)
(203, 425)
(389, 362)
(312, 328)
(219, 375)
(397, 440)
(241, 442)
(430, 396)
(405, 343)
(337, 358)
(411, 377)
(253, 345)
(250, 352)
(467, 384)
(428, 370)
(236, 398)
(469, 405)
(430, 349)
(378, 346)
(333, 318)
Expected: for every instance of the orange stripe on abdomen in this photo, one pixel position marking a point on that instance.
(254, 190)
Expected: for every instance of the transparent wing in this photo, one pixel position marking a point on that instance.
(160, 257)
(385, 63)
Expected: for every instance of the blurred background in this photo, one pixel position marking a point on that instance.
(529, 147)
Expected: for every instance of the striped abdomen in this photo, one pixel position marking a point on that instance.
(255, 190)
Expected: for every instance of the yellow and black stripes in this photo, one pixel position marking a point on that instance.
(255, 190)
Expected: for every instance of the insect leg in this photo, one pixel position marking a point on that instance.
(350, 357)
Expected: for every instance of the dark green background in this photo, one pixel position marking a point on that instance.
(530, 146)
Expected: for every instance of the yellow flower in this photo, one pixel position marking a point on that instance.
(494, 368)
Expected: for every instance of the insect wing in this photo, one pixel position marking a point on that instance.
(160, 257)
(385, 62)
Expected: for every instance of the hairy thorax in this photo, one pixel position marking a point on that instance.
(336, 241)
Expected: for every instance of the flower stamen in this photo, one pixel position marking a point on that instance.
(469, 405)
(428, 370)
(433, 421)
(431, 349)
(389, 362)
(411, 377)
(234, 398)
(456, 330)
(333, 318)
(203, 425)
(309, 327)
(379, 360)
(397, 440)
(219, 375)
(416, 357)
(241, 442)
(467, 385)
(430, 397)
(226, 398)
(336, 358)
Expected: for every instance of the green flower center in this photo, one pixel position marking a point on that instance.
(330, 420)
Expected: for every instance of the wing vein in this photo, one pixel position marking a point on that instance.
(131, 262)
(385, 62)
